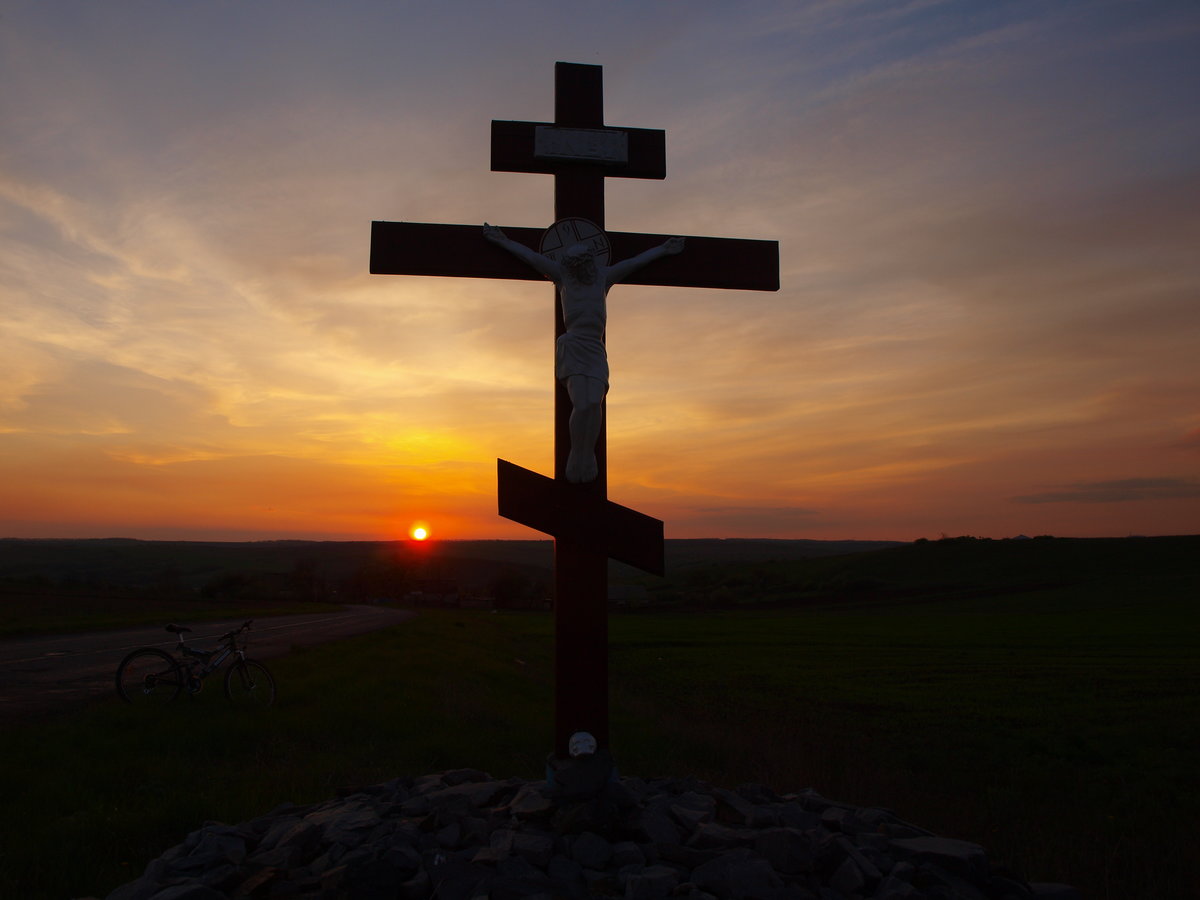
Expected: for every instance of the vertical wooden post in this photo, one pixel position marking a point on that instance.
(580, 571)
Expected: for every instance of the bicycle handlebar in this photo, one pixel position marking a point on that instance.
(244, 627)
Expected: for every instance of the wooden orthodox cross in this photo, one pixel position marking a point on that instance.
(580, 151)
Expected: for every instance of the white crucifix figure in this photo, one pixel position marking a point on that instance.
(583, 277)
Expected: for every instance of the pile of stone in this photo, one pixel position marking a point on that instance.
(462, 835)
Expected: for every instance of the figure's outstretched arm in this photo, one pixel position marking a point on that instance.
(543, 264)
(626, 267)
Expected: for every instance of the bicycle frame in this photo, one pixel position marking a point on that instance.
(214, 657)
(202, 663)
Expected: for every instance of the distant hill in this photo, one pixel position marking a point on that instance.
(1095, 570)
(685, 554)
(700, 573)
(359, 567)
(333, 570)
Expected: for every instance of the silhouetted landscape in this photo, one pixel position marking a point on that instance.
(48, 585)
(1036, 696)
(699, 572)
(510, 573)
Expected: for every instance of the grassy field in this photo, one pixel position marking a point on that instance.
(1060, 730)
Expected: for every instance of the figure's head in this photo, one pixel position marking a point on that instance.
(580, 262)
(570, 239)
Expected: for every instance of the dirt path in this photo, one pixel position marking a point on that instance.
(39, 673)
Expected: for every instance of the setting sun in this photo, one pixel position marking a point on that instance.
(419, 531)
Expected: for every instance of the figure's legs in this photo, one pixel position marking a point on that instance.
(587, 414)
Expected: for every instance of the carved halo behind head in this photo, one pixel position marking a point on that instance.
(566, 236)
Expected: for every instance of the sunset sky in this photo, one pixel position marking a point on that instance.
(989, 227)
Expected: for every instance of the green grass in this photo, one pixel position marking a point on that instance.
(1064, 743)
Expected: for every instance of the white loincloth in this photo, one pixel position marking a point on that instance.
(576, 354)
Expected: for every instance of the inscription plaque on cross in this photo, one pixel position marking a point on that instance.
(580, 151)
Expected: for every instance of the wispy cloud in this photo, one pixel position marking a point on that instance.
(1121, 491)
(1190, 441)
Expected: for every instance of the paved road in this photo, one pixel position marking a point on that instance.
(39, 673)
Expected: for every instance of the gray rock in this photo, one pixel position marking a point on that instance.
(531, 801)
(500, 845)
(425, 783)
(713, 836)
(692, 809)
(627, 853)
(454, 879)
(565, 871)
(450, 835)
(651, 883)
(892, 888)
(419, 887)
(740, 874)
(657, 825)
(834, 818)
(256, 882)
(519, 868)
(958, 857)
(762, 817)
(848, 849)
(285, 857)
(416, 806)
(758, 794)
(793, 815)
(219, 846)
(475, 793)
(463, 776)
(746, 806)
(848, 878)
(628, 793)
(733, 808)
(600, 884)
(687, 857)
(276, 830)
(188, 892)
(788, 850)
(591, 851)
(536, 849)
(462, 834)
(304, 836)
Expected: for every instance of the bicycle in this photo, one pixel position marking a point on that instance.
(150, 676)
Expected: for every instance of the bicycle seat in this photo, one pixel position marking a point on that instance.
(177, 629)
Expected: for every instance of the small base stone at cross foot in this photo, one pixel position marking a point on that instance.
(464, 833)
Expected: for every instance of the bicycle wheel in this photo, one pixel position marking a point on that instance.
(249, 683)
(149, 677)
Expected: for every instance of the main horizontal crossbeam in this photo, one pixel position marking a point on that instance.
(417, 248)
